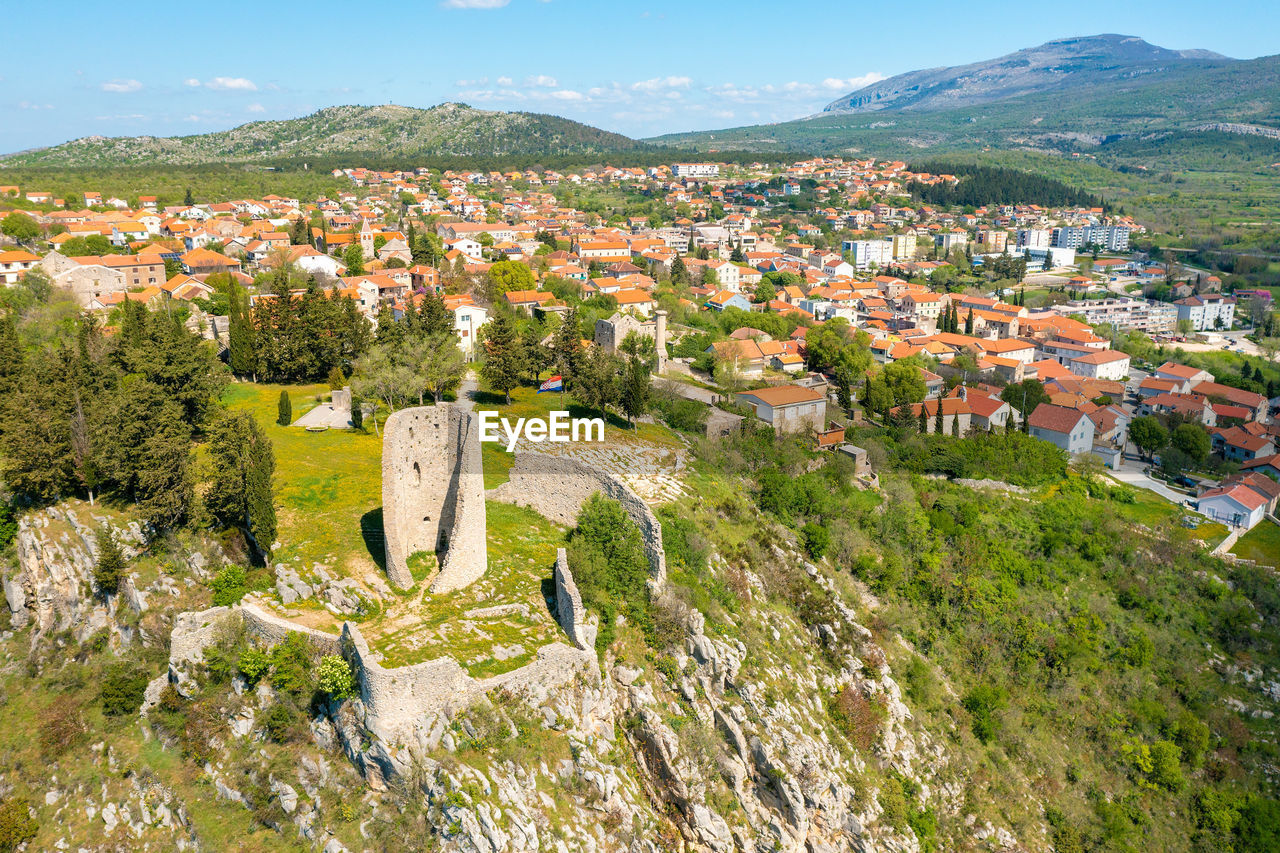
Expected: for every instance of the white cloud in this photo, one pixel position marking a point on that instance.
(473, 4)
(256, 108)
(852, 84)
(502, 81)
(191, 81)
(27, 105)
(567, 95)
(121, 86)
(656, 83)
(541, 80)
(226, 84)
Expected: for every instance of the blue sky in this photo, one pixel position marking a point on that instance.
(636, 68)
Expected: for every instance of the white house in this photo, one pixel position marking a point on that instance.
(1069, 429)
(1207, 311)
(1102, 364)
(1234, 506)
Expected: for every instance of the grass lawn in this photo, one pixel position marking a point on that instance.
(522, 554)
(328, 484)
(1262, 544)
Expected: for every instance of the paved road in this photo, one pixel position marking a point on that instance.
(1131, 473)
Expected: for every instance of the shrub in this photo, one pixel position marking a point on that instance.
(123, 686)
(253, 663)
(229, 585)
(609, 564)
(278, 722)
(291, 665)
(815, 539)
(857, 717)
(61, 727)
(982, 703)
(336, 677)
(357, 413)
(893, 803)
(16, 825)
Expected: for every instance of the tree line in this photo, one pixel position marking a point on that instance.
(982, 185)
(93, 415)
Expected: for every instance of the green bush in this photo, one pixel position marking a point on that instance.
(983, 703)
(336, 677)
(109, 569)
(893, 803)
(291, 665)
(123, 686)
(278, 723)
(253, 663)
(815, 539)
(609, 565)
(16, 825)
(229, 585)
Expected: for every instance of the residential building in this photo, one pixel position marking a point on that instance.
(14, 264)
(788, 408)
(1102, 364)
(695, 170)
(1207, 311)
(1069, 429)
(1235, 505)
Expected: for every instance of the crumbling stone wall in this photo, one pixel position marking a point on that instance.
(556, 487)
(570, 612)
(433, 494)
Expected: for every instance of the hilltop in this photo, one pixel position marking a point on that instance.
(1131, 114)
(1072, 63)
(446, 130)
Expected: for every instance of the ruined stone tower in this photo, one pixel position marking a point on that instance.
(433, 494)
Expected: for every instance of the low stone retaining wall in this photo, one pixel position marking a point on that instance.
(556, 487)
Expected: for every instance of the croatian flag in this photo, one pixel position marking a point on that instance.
(555, 383)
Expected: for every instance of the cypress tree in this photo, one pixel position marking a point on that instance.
(955, 425)
(937, 418)
(337, 380)
(243, 466)
(284, 409)
(924, 421)
(109, 569)
(968, 323)
(357, 413)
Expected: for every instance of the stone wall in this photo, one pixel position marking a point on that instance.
(269, 629)
(556, 487)
(570, 613)
(433, 494)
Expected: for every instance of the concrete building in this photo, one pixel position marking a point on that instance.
(1123, 313)
(1112, 238)
(868, 252)
(788, 408)
(695, 170)
(1032, 238)
(1207, 311)
(1235, 506)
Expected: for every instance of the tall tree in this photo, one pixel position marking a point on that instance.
(502, 365)
(244, 465)
(284, 409)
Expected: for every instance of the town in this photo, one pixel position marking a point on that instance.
(1012, 316)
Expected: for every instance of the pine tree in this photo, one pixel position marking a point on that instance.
(242, 353)
(502, 361)
(434, 317)
(284, 409)
(188, 200)
(567, 348)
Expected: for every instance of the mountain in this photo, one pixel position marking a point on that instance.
(1207, 104)
(1073, 63)
(444, 130)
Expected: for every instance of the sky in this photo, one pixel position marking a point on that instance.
(638, 68)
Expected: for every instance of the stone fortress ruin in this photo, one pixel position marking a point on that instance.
(433, 495)
(434, 501)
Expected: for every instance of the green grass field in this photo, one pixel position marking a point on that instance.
(1262, 544)
(328, 484)
(522, 554)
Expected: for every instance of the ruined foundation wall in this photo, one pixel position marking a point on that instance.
(556, 487)
(433, 494)
(570, 612)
